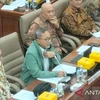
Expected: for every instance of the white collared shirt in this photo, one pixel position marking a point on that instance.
(45, 60)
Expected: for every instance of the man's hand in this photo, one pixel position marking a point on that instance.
(61, 73)
(49, 54)
(54, 21)
(58, 50)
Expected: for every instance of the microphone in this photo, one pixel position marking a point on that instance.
(65, 74)
(57, 59)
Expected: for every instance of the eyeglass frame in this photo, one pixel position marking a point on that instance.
(47, 39)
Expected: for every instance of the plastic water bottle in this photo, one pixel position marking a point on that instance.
(47, 1)
(59, 90)
(80, 74)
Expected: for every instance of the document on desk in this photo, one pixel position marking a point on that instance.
(82, 49)
(18, 3)
(7, 7)
(97, 49)
(54, 80)
(69, 69)
(96, 34)
(14, 5)
(24, 95)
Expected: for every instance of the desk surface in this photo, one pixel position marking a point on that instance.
(73, 54)
(68, 95)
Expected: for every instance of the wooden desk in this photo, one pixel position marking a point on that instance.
(68, 95)
(73, 54)
(9, 21)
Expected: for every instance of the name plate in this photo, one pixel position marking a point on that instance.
(94, 77)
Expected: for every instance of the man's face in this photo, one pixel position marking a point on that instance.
(76, 3)
(48, 13)
(45, 40)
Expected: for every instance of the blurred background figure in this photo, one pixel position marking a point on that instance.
(4, 84)
(76, 20)
(93, 9)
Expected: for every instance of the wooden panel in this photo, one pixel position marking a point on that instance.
(9, 22)
(0, 27)
(9, 25)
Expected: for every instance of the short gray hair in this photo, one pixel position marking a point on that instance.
(39, 32)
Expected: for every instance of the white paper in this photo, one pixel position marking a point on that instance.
(82, 49)
(24, 95)
(97, 49)
(18, 3)
(54, 80)
(7, 7)
(97, 34)
(69, 69)
(14, 5)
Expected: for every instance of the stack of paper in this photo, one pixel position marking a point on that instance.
(55, 80)
(62, 67)
(97, 34)
(69, 69)
(24, 95)
(14, 5)
(83, 48)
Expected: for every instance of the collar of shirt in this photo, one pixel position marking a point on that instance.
(75, 10)
(43, 19)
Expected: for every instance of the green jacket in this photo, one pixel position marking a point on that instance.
(33, 64)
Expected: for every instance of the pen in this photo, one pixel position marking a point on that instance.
(65, 74)
(93, 35)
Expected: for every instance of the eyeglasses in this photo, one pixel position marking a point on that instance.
(47, 39)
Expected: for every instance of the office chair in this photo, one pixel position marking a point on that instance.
(12, 58)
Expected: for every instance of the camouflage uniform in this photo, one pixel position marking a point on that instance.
(4, 85)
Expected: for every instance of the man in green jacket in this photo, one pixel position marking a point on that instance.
(40, 58)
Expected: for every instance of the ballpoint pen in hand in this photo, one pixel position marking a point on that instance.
(65, 74)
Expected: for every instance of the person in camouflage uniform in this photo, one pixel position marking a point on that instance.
(93, 9)
(4, 84)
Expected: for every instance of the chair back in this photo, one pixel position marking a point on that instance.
(12, 54)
